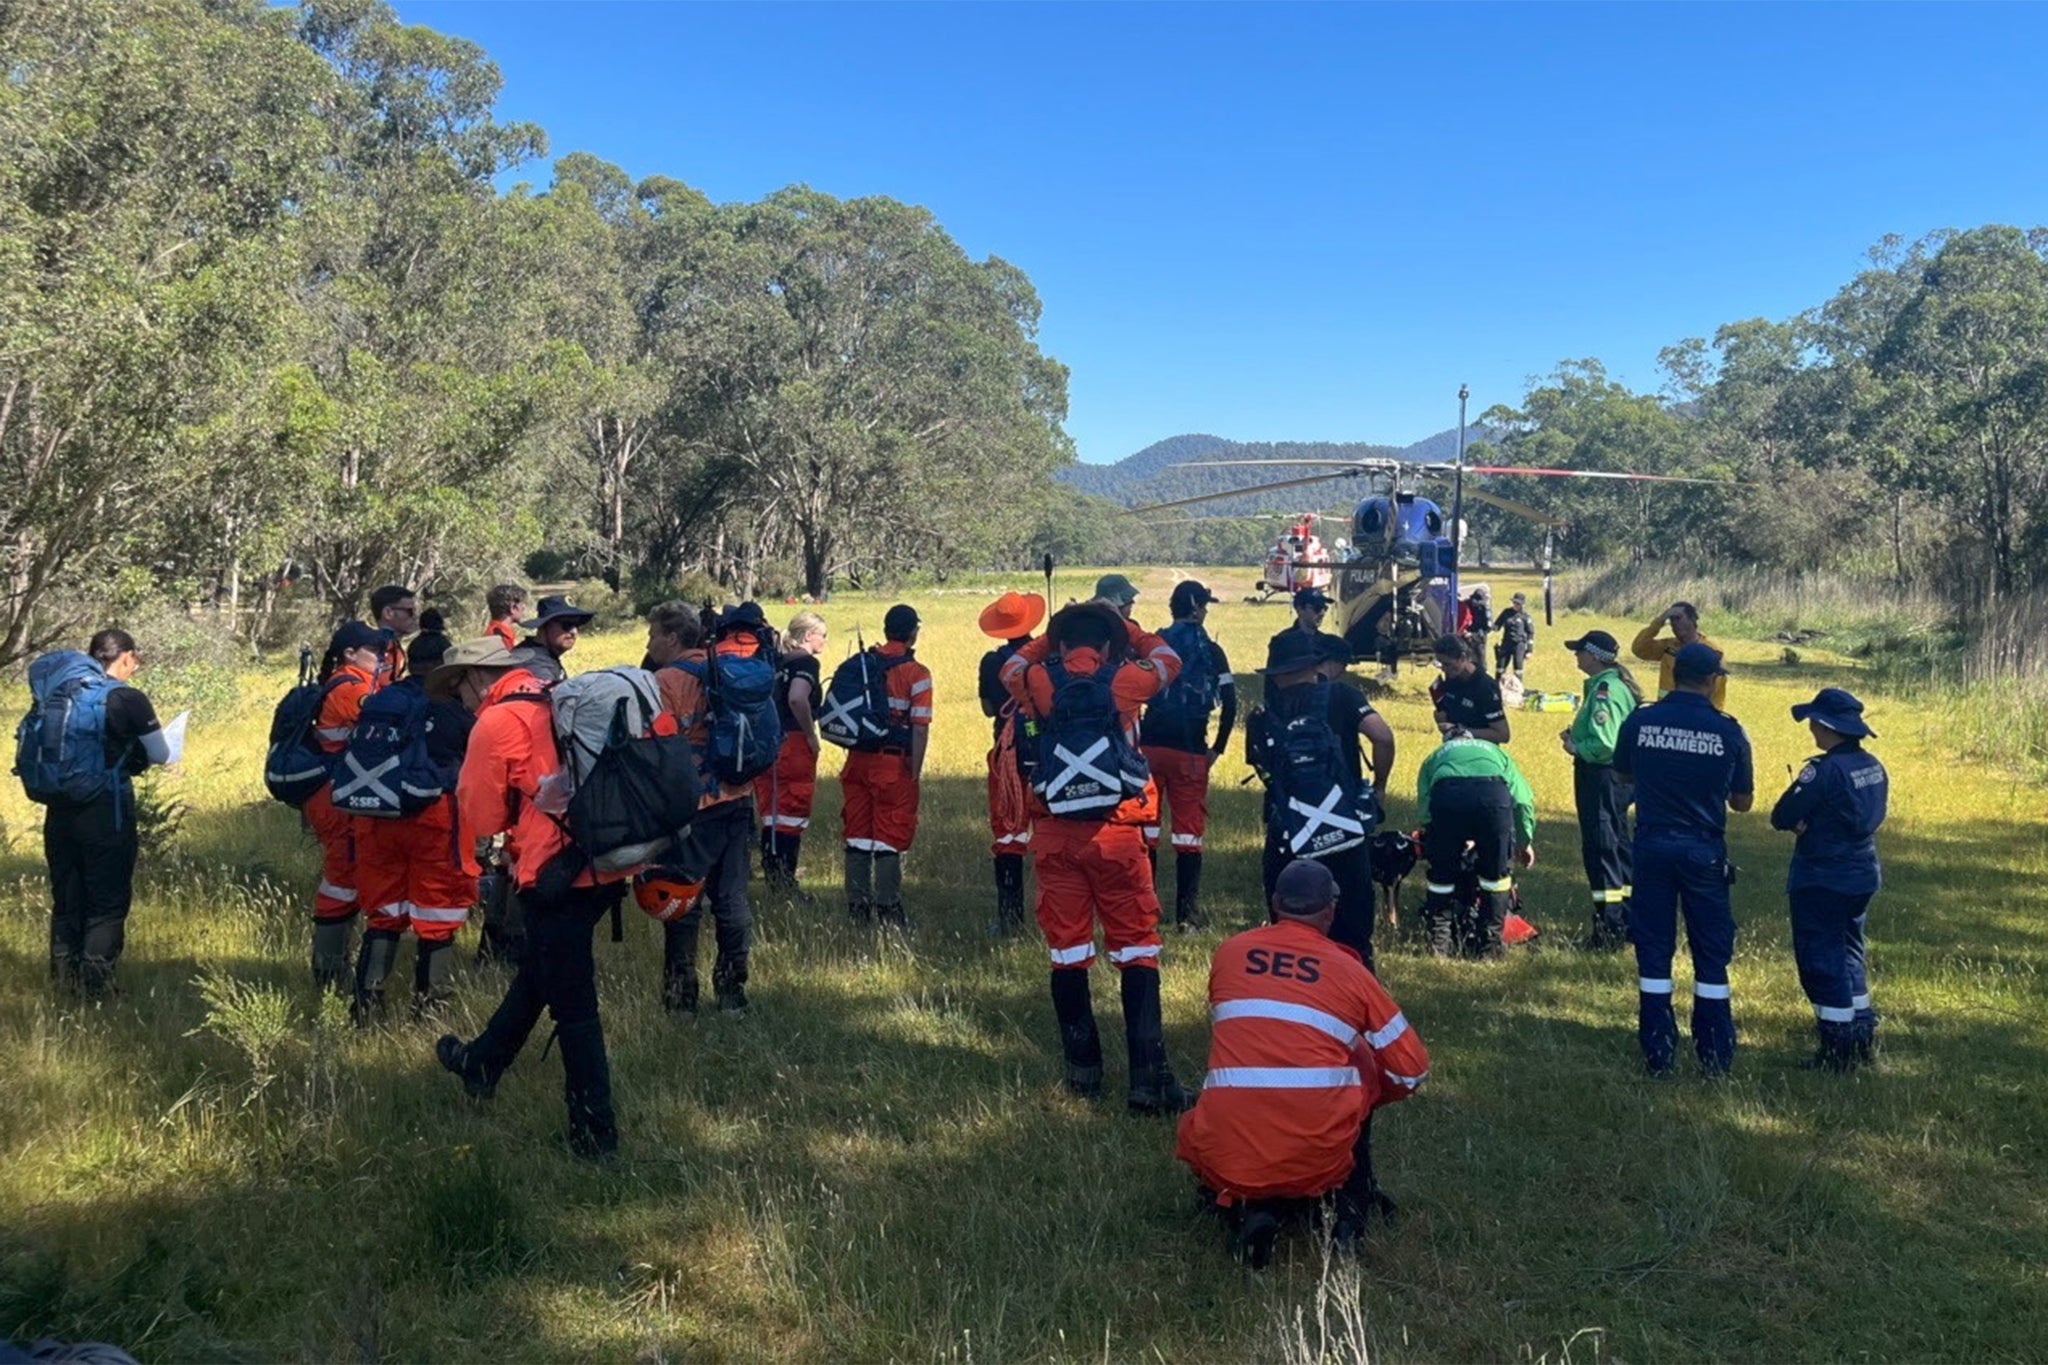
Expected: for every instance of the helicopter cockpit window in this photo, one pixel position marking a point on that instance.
(1369, 521)
(1435, 521)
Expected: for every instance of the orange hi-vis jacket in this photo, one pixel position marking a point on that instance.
(683, 697)
(1304, 1044)
(1144, 645)
(343, 703)
(1133, 684)
(909, 687)
(510, 751)
(505, 631)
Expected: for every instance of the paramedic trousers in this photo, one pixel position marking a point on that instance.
(1682, 870)
(90, 847)
(1827, 944)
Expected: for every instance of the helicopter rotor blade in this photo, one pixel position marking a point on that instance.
(1364, 465)
(1245, 491)
(1520, 509)
(1621, 475)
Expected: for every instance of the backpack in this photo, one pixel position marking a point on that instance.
(295, 767)
(631, 787)
(60, 747)
(1192, 694)
(1087, 765)
(739, 705)
(1313, 805)
(856, 714)
(385, 771)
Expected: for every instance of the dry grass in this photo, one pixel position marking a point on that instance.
(877, 1164)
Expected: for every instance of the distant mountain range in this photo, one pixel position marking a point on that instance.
(1149, 476)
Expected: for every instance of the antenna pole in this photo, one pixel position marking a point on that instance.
(1457, 514)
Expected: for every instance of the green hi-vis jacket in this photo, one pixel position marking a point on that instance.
(1597, 724)
(1479, 758)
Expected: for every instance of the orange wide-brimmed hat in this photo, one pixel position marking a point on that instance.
(1012, 614)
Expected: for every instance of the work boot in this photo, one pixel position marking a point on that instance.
(1657, 1031)
(1837, 1051)
(331, 953)
(679, 991)
(373, 967)
(679, 963)
(771, 856)
(454, 1056)
(65, 972)
(1080, 1042)
(889, 891)
(587, 1087)
(1009, 869)
(731, 989)
(433, 978)
(1258, 1228)
(789, 843)
(1488, 937)
(860, 885)
(1439, 917)
(95, 978)
(889, 914)
(1187, 891)
(1713, 1033)
(1153, 1089)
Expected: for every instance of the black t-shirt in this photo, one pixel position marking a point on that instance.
(792, 667)
(129, 718)
(1473, 701)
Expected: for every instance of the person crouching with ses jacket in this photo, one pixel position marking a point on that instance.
(1088, 842)
(1304, 1046)
(1835, 805)
(409, 871)
(86, 736)
(512, 751)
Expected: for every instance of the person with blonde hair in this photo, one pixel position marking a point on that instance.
(784, 793)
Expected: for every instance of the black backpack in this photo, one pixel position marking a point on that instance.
(1087, 765)
(1314, 806)
(295, 767)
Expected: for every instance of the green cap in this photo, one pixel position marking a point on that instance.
(1114, 587)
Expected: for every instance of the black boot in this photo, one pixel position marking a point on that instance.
(432, 978)
(771, 856)
(1009, 869)
(730, 986)
(1439, 914)
(790, 844)
(860, 885)
(1187, 890)
(330, 953)
(455, 1057)
(587, 1086)
(373, 968)
(1153, 1089)
(1079, 1040)
(1489, 938)
(679, 963)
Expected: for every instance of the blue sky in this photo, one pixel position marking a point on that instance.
(1312, 222)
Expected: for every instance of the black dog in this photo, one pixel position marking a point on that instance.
(1394, 855)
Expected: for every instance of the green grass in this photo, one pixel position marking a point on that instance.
(877, 1162)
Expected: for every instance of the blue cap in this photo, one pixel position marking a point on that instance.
(1839, 710)
(356, 635)
(1697, 662)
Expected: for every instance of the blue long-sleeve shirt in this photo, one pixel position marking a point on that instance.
(1840, 797)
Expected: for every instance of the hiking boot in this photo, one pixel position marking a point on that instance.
(892, 917)
(1084, 1082)
(1257, 1231)
(1154, 1091)
(453, 1054)
(732, 999)
(860, 912)
(599, 1149)
(679, 994)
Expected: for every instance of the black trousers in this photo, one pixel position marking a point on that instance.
(716, 850)
(1357, 899)
(1481, 812)
(90, 848)
(1604, 843)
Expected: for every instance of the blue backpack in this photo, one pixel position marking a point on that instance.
(739, 702)
(295, 767)
(1193, 693)
(60, 747)
(856, 714)
(1313, 805)
(1087, 765)
(385, 772)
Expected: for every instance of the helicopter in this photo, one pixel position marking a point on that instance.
(1397, 582)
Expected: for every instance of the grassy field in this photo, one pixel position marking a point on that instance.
(877, 1161)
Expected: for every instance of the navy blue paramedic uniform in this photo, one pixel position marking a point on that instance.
(1685, 758)
(1836, 803)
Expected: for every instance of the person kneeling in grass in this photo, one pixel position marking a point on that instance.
(1305, 1046)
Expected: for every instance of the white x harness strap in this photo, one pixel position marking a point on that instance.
(1319, 816)
(368, 780)
(1079, 766)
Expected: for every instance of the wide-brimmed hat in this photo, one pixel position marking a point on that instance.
(1335, 649)
(559, 609)
(1011, 615)
(742, 616)
(487, 653)
(1837, 708)
(1696, 661)
(1598, 643)
(1292, 651)
(1114, 587)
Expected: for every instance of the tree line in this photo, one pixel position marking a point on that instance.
(1897, 431)
(271, 330)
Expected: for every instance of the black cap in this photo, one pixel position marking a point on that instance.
(1597, 642)
(357, 635)
(1696, 662)
(900, 621)
(743, 616)
(1311, 597)
(1293, 651)
(559, 609)
(1187, 595)
(1304, 887)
